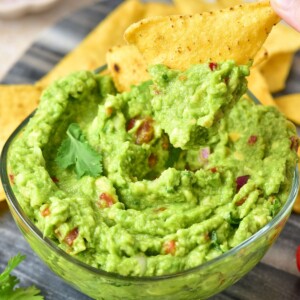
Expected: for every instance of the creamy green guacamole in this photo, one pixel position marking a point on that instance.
(190, 168)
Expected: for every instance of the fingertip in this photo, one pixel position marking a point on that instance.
(289, 11)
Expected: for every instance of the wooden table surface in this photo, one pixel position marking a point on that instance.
(276, 277)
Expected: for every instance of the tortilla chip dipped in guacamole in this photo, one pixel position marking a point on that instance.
(165, 176)
(178, 41)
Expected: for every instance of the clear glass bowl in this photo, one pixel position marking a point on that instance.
(197, 283)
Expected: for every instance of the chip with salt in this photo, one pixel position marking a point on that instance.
(180, 41)
(16, 103)
(127, 66)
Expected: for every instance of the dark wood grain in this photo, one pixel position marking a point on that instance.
(275, 278)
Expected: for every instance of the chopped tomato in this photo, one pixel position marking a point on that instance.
(214, 169)
(109, 111)
(54, 179)
(145, 132)
(206, 236)
(152, 160)
(298, 257)
(294, 143)
(165, 142)
(107, 199)
(71, 236)
(11, 178)
(241, 201)
(130, 124)
(160, 209)
(170, 247)
(252, 139)
(213, 66)
(45, 212)
(156, 91)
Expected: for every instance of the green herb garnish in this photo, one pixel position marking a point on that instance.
(233, 221)
(8, 282)
(75, 151)
(215, 241)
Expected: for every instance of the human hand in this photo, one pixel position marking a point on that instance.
(289, 11)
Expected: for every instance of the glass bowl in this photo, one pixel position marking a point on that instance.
(197, 283)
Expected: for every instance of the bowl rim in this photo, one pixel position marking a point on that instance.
(12, 199)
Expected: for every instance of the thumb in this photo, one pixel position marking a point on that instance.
(289, 11)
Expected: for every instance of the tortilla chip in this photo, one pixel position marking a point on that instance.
(180, 41)
(282, 39)
(290, 106)
(90, 53)
(259, 87)
(16, 103)
(282, 42)
(260, 57)
(276, 70)
(2, 194)
(128, 57)
(127, 66)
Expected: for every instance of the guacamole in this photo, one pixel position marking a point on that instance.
(156, 180)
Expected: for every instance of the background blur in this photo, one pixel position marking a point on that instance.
(17, 33)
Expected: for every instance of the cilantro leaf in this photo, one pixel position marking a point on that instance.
(8, 283)
(75, 151)
(29, 293)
